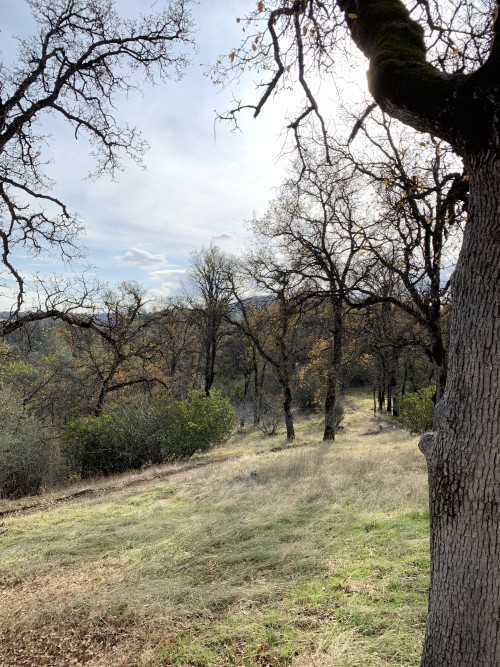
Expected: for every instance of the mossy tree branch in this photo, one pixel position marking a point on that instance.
(409, 88)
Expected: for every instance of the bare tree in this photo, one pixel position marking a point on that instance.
(208, 300)
(83, 57)
(177, 345)
(114, 346)
(316, 222)
(268, 310)
(417, 230)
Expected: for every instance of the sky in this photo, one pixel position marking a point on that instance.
(202, 180)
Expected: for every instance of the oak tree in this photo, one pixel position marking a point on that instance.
(435, 67)
(81, 60)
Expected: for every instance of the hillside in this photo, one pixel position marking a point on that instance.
(254, 554)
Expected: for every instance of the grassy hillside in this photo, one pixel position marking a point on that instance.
(315, 555)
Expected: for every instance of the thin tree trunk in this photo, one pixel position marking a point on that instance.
(287, 408)
(381, 398)
(405, 377)
(389, 398)
(258, 385)
(243, 402)
(103, 392)
(463, 627)
(333, 373)
(330, 400)
(210, 355)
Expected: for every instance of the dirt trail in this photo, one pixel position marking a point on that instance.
(45, 504)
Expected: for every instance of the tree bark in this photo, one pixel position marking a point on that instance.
(243, 402)
(463, 627)
(381, 397)
(210, 356)
(330, 400)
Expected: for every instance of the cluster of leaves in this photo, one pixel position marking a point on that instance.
(128, 436)
(416, 410)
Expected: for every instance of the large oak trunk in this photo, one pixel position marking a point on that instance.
(463, 627)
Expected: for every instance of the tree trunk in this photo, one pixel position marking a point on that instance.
(330, 400)
(333, 373)
(381, 398)
(243, 403)
(389, 398)
(463, 457)
(287, 408)
(405, 377)
(439, 363)
(258, 382)
(463, 627)
(210, 354)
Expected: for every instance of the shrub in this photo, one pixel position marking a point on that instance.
(93, 445)
(129, 436)
(271, 417)
(416, 410)
(28, 448)
(200, 423)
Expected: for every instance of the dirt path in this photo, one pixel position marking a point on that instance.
(45, 504)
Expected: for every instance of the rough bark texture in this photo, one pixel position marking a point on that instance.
(463, 628)
(330, 400)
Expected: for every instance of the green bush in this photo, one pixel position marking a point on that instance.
(94, 445)
(196, 424)
(416, 410)
(129, 436)
(29, 452)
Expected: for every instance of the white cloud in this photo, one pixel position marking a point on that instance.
(170, 283)
(142, 259)
(168, 272)
(157, 270)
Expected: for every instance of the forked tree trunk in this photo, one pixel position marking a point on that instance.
(463, 627)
